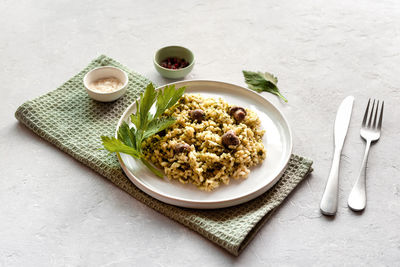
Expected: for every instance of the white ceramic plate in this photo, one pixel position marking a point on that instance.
(277, 141)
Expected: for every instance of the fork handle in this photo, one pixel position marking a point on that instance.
(329, 201)
(358, 195)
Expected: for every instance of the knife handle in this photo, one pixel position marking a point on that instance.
(329, 200)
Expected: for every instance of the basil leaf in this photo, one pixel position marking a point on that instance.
(262, 82)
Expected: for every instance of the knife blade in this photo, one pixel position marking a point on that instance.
(329, 201)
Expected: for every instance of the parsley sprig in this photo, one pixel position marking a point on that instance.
(145, 123)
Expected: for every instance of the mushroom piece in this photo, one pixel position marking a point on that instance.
(230, 139)
(197, 114)
(238, 113)
(180, 148)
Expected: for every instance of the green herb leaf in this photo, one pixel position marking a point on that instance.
(115, 145)
(157, 125)
(145, 123)
(167, 98)
(143, 106)
(135, 118)
(263, 82)
(147, 100)
(127, 135)
(153, 169)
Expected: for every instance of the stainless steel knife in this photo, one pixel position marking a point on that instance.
(329, 200)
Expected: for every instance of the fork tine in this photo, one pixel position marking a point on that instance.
(376, 114)
(366, 113)
(370, 115)
(380, 116)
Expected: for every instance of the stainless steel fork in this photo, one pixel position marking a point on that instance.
(371, 132)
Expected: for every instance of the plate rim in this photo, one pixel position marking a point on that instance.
(207, 204)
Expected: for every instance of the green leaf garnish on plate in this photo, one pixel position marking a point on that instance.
(263, 82)
(145, 123)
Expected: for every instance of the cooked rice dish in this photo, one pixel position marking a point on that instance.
(210, 142)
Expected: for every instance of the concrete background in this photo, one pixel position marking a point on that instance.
(56, 212)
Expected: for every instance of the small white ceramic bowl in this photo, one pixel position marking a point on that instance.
(101, 73)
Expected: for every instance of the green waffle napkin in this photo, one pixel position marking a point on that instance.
(69, 119)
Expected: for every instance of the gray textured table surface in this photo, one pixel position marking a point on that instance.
(54, 211)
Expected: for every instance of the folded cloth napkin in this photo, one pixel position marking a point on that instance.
(69, 119)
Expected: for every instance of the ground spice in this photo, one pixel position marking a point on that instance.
(106, 85)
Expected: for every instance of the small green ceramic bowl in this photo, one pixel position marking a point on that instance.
(173, 51)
